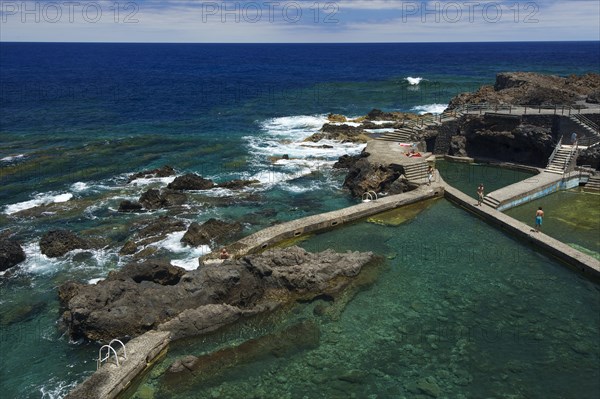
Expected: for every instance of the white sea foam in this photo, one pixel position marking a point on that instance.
(56, 389)
(38, 200)
(12, 158)
(79, 186)
(152, 180)
(188, 255)
(353, 124)
(413, 81)
(294, 126)
(285, 136)
(430, 108)
(95, 280)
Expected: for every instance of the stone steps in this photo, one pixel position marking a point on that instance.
(491, 202)
(593, 183)
(559, 162)
(416, 172)
(402, 135)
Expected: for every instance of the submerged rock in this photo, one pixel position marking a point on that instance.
(143, 296)
(11, 254)
(190, 369)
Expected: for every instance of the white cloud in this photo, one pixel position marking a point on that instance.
(351, 21)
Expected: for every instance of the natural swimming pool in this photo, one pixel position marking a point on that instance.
(458, 310)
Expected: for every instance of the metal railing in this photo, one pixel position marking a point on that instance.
(587, 122)
(571, 160)
(556, 148)
(369, 196)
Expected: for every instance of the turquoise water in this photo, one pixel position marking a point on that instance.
(473, 314)
(571, 216)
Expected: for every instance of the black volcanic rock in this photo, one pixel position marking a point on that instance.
(145, 296)
(164, 171)
(364, 176)
(11, 254)
(237, 184)
(528, 88)
(343, 133)
(191, 181)
(57, 243)
(157, 199)
(211, 232)
(347, 161)
(129, 206)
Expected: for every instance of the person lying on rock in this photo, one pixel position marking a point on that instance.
(224, 254)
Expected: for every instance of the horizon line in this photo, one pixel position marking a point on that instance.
(296, 43)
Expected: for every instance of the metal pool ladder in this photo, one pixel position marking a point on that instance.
(369, 196)
(109, 349)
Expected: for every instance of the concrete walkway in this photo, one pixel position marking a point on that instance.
(391, 153)
(111, 380)
(530, 189)
(273, 235)
(574, 258)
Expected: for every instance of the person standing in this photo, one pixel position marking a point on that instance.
(480, 194)
(573, 138)
(429, 175)
(539, 216)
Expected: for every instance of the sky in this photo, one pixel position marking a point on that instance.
(304, 21)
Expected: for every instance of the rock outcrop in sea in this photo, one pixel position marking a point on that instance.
(11, 254)
(212, 232)
(157, 295)
(57, 243)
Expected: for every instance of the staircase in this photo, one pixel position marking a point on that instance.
(490, 201)
(416, 172)
(593, 183)
(585, 122)
(560, 159)
(402, 135)
(589, 126)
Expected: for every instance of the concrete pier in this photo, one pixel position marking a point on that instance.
(527, 190)
(311, 224)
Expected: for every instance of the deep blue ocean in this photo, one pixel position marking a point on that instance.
(77, 119)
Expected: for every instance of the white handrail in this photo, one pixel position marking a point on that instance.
(102, 359)
(109, 350)
(368, 197)
(122, 346)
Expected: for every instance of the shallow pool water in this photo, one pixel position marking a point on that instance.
(467, 176)
(571, 216)
(459, 310)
